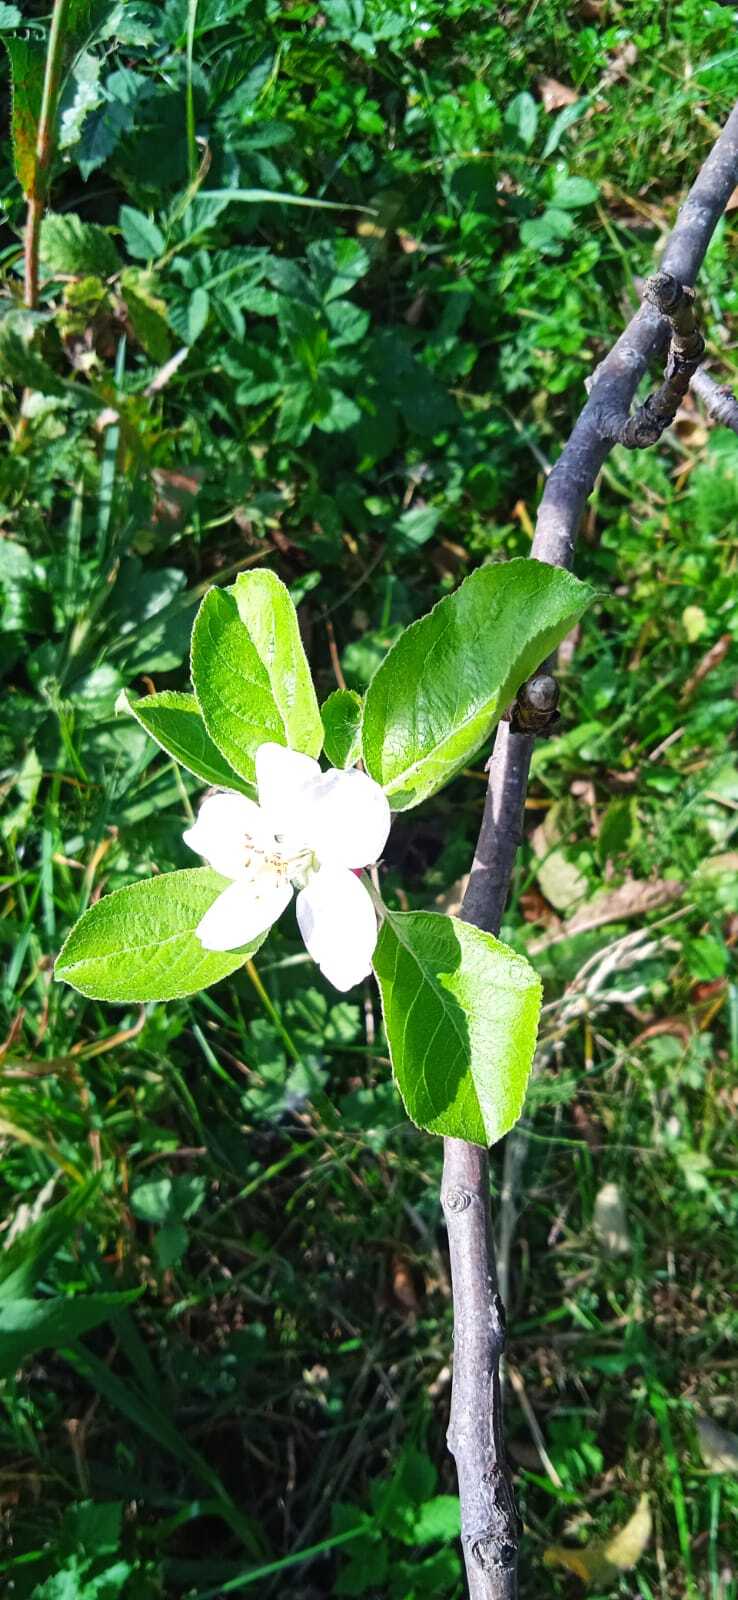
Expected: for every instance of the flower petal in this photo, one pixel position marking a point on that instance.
(346, 819)
(243, 911)
(337, 920)
(281, 775)
(224, 824)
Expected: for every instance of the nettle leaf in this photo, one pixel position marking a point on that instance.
(175, 721)
(142, 238)
(27, 62)
(461, 1013)
(444, 685)
(70, 245)
(250, 672)
(139, 943)
(341, 714)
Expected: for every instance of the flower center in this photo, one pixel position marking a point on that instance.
(295, 865)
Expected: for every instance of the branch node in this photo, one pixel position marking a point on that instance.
(663, 291)
(494, 1546)
(536, 707)
(675, 301)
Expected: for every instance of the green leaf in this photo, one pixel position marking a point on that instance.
(102, 129)
(250, 672)
(232, 684)
(175, 722)
(70, 245)
(147, 313)
(619, 829)
(142, 238)
(521, 118)
(170, 1244)
(366, 1569)
(567, 116)
(341, 714)
(198, 312)
(27, 78)
(445, 683)
(266, 610)
(19, 362)
(139, 943)
(415, 527)
(83, 20)
(169, 1199)
(571, 193)
(461, 1013)
(10, 16)
(30, 1325)
(438, 1520)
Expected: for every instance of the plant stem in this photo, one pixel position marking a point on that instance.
(189, 92)
(489, 1526)
(44, 151)
(272, 1012)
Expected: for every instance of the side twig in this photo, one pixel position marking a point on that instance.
(686, 352)
(488, 1519)
(719, 401)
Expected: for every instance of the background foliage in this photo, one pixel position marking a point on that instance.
(364, 398)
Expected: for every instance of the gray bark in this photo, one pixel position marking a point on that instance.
(489, 1524)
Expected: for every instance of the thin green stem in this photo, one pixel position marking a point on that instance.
(297, 1560)
(189, 93)
(272, 1012)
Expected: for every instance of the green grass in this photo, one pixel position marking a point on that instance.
(364, 406)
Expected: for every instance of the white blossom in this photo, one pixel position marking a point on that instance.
(311, 831)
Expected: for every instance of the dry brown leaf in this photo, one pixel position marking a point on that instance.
(555, 95)
(725, 862)
(403, 1287)
(631, 899)
(718, 1446)
(619, 65)
(605, 1559)
(175, 493)
(560, 879)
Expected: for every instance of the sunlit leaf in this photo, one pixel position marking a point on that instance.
(461, 1013)
(446, 682)
(139, 943)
